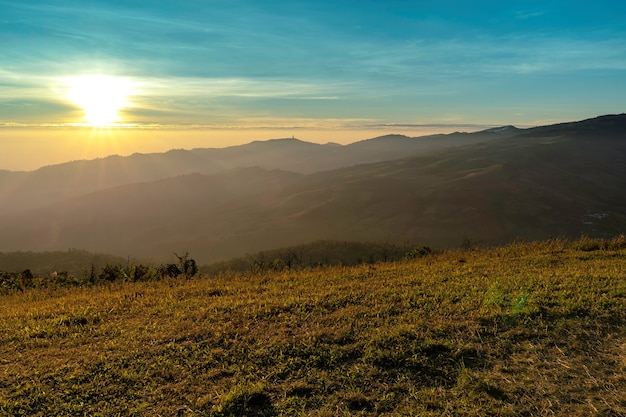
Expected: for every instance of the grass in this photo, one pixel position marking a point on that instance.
(522, 330)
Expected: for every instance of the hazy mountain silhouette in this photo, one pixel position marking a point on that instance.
(58, 182)
(561, 180)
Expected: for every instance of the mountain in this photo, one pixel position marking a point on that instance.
(58, 182)
(561, 180)
(601, 126)
(149, 217)
(284, 154)
(394, 144)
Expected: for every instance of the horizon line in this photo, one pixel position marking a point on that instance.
(201, 126)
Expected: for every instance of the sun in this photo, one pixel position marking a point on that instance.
(100, 96)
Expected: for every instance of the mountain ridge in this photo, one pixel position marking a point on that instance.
(555, 182)
(57, 182)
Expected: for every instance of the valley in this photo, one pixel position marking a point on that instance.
(492, 187)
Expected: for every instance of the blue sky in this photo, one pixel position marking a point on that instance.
(327, 64)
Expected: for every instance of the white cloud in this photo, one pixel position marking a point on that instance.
(238, 87)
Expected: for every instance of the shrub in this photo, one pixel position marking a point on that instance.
(111, 273)
(186, 266)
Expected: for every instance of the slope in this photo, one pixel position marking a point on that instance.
(499, 332)
(554, 182)
(57, 182)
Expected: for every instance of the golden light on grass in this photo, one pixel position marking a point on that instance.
(100, 96)
(479, 332)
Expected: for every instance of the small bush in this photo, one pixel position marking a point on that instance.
(419, 252)
(111, 273)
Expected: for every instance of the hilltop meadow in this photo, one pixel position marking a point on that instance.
(525, 329)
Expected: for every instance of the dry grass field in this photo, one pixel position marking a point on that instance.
(528, 329)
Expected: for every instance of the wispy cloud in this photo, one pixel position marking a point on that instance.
(528, 14)
(196, 61)
(489, 56)
(239, 87)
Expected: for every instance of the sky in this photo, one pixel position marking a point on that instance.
(152, 75)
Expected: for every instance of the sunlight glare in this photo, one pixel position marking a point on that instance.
(100, 96)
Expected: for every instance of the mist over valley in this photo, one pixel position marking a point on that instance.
(492, 187)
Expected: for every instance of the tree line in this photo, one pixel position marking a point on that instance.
(184, 266)
(320, 253)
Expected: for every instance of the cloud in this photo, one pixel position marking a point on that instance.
(528, 14)
(195, 62)
(240, 87)
(486, 56)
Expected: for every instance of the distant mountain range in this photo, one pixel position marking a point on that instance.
(490, 187)
(58, 182)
